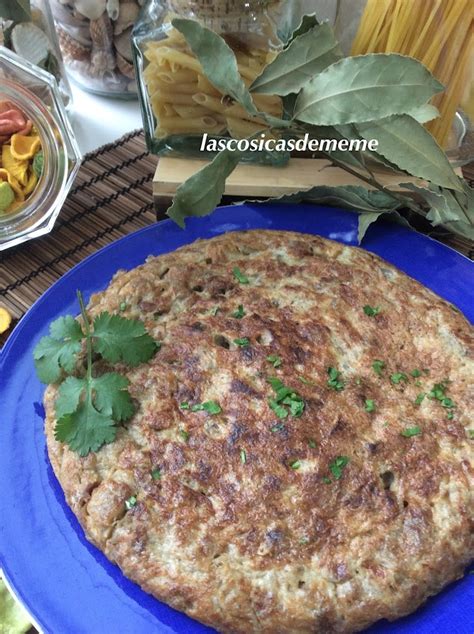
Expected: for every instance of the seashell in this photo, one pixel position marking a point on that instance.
(102, 56)
(30, 42)
(123, 44)
(81, 33)
(65, 15)
(71, 48)
(125, 67)
(113, 9)
(127, 16)
(91, 9)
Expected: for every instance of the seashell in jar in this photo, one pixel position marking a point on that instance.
(71, 48)
(102, 56)
(128, 14)
(125, 67)
(65, 15)
(30, 42)
(113, 9)
(123, 44)
(91, 9)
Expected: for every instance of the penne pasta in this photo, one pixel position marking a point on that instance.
(177, 77)
(240, 129)
(190, 112)
(210, 102)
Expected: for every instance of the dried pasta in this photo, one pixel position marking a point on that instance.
(439, 33)
(184, 101)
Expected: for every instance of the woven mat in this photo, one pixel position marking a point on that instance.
(112, 196)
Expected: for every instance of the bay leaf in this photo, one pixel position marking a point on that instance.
(219, 65)
(423, 114)
(406, 143)
(200, 194)
(368, 218)
(353, 197)
(308, 21)
(307, 54)
(365, 88)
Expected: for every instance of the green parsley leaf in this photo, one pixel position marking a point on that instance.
(419, 399)
(378, 366)
(312, 443)
(243, 342)
(337, 466)
(58, 351)
(333, 381)
(447, 402)
(276, 383)
(369, 405)
(70, 392)
(184, 405)
(278, 427)
(243, 456)
(275, 360)
(184, 435)
(408, 432)
(295, 464)
(295, 403)
(123, 306)
(85, 429)
(326, 480)
(279, 410)
(418, 383)
(239, 312)
(371, 311)
(122, 340)
(111, 396)
(156, 474)
(240, 277)
(397, 377)
(450, 415)
(131, 502)
(438, 391)
(415, 373)
(211, 407)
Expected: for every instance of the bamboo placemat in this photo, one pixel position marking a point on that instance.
(112, 196)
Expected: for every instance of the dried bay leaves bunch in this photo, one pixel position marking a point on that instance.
(374, 96)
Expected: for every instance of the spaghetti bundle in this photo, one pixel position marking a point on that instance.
(439, 33)
(185, 102)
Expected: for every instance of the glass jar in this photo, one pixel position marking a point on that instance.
(94, 36)
(28, 30)
(40, 156)
(178, 103)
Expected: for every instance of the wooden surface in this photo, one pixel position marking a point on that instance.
(112, 197)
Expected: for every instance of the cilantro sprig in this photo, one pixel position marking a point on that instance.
(89, 408)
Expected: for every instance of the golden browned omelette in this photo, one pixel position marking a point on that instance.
(302, 456)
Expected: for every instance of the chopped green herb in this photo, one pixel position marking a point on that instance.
(243, 342)
(184, 405)
(243, 456)
(123, 306)
(285, 396)
(131, 502)
(211, 407)
(312, 443)
(243, 279)
(214, 311)
(419, 398)
(450, 415)
(295, 464)
(239, 312)
(333, 381)
(438, 391)
(184, 435)
(378, 366)
(397, 377)
(371, 311)
(337, 466)
(278, 427)
(275, 360)
(279, 410)
(447, 402)
(408, 432)
(326, 480)
(418, 383)
(415, 373)
(369, 405)
(156, 474)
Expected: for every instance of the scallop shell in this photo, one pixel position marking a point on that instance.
(91, 9)
(113, 9)
(125, 67)
(71, 48)
(123, 44)
(127, 16)
(30, 42)
(65, 15)
(102, 56)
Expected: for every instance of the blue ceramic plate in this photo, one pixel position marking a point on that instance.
(68, 585)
